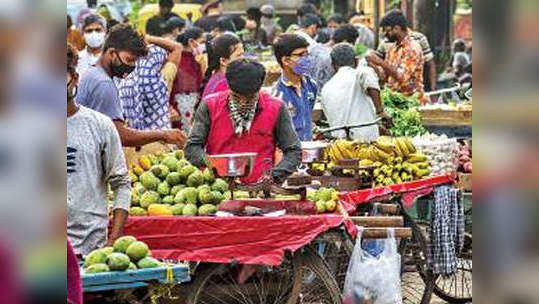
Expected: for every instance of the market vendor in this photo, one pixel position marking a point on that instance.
(403, 63)
(245, 119)
(95, 161)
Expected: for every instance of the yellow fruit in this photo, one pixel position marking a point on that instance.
(134, 177)
(138, 170)
(416, 158)
(366, 162)
(145, 162)
(422, 165)
(159, 210)
(409, 145)
(331, 206)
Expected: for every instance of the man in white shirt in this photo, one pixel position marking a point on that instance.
(352, 96)
(94, 29)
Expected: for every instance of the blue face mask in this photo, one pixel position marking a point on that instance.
(303, 66)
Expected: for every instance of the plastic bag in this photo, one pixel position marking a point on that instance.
(377, 277)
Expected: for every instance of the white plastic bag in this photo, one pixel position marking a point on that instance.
(376, 277)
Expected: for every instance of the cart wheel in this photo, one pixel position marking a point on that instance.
(313, 281)
(336, 249)
(417, 281)
(218, 284)
(457, 288)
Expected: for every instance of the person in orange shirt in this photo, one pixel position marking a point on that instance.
(403, 64)
(74, 36)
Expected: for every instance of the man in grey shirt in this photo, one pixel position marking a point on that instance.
(98, 91)
(95, 160)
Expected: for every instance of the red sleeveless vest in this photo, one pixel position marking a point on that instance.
(260, 138)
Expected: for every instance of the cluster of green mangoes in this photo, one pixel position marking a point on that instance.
(325, 199)
(168, 185)
(126, 254)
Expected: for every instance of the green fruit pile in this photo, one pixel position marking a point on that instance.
(126, 254)
(168, 185)
(325, 199)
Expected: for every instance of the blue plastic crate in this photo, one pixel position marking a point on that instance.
(115, 280)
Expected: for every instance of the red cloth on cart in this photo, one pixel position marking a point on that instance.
(366, 195)
(247, 240)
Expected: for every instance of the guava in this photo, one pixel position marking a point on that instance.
(169, 200)
(207, 209)
(171, 162)
(97, 268)
(121, 244)
(149, 198)
(137, 250)
(220, 185)
(97, 256)
(173, 178)
(148, 262)
(177, 209)
(118, 261)
(163, 188)
(195, 179)
(190, 210)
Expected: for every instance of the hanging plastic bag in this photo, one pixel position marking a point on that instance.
(376, 278)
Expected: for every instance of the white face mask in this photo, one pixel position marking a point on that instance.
(94, 39)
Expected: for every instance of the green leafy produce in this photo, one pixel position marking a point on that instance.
(121, 244)
(118, 261)
(97, 268)
(148, 262)
(407, 123)
(149, 198)
(137, 250)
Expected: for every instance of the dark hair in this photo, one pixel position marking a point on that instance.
(166, 3)
(307, 8)
(111, 23)
(394, 18)
(346, 33)
(157, 26)
(245, 76)
(192, 32)
(323, 37)
(337, 18)
(220, 47)
(310, 19)
(175, 22)
(123, 37)
(255, 14)
(72, 59)
(459, 45)
(356, 13)
(94, 18)
(226, 24)
(69, 21)
(286, 44)
(342, 55)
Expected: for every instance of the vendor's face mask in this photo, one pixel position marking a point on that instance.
(120, 68)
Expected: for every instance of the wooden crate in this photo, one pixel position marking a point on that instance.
(437, 117)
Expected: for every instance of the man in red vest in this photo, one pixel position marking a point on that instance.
(245, 119)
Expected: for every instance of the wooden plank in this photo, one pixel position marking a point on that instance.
(378, 221)
(118, 286)
(381, 233)
(180, 274)
(390, 209)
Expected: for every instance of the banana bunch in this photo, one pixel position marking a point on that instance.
(396, 159)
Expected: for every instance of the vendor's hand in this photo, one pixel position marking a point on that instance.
(387, 121)
(174, 137)
(176, 55)
(174, 115)
(111, 240)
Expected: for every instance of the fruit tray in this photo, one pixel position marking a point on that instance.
(116, 280)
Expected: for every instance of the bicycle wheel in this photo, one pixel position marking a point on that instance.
(336, 249)
(457, 288)
(313, 281)
(219, 284)
(417, 281)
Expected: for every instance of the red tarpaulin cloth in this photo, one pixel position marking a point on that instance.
(247, 240)
(364, 196)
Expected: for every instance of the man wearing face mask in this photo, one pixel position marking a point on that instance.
(403, 63)
(298, 91)
(94, 29)
(95, 161)
(321, 69)
(245, 119)
(97, 90)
